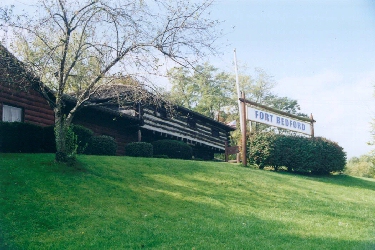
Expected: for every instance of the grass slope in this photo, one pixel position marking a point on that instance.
(134, 203)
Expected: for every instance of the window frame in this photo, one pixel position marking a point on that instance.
(18, 108)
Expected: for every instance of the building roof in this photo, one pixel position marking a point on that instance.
(127, 95)
(115, 99)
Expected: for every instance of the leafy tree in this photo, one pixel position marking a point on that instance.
(184, 91)
(259, 89)
(284, 104)
(363, 166)
(206, 91)
(210, 92)
(82, 46)
(214, 89)
(261, 86)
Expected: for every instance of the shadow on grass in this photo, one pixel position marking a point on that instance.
(217, 223)
(341, 179)
(124, 203)
(349, 181)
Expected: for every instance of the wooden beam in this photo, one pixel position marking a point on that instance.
(312, 125)
(278, 111)
(139, 135)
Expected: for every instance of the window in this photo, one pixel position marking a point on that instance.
(12, 114)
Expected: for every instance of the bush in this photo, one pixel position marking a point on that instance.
(364, 166)
(69, 156)
(17, 137)
(330, 157)
(49, 142)
(260, 147)
(102, 145)
(173, 149)
(83, 137)
(139, 149)
(300, 154)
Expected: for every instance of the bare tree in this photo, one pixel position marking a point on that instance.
(96, 41)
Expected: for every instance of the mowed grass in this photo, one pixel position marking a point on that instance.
(139, 203)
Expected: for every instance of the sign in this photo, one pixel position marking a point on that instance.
(232, 150)
(273, 119)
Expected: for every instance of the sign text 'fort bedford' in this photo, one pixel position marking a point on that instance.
(279, 121)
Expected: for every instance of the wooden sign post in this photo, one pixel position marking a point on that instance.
(230, 151)
(312, 125)
(271, 117)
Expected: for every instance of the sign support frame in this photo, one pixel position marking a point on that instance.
(243, 131)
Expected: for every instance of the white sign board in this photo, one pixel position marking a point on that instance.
(279, 121)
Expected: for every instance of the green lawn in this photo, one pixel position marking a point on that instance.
(134, 203)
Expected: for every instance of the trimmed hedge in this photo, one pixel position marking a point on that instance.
(139, 149)
(102, 145)
(18, 137)
(49, 142)
(300, 154)
(173, 149)
(83, 137)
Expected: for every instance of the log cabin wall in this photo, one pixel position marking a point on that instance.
(16, 90)
(123, 130)
(36, 109)
(204, 135)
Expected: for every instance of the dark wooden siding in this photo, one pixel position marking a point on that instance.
(203, 133)
(101, 123)
(177, 127)
(35, 108)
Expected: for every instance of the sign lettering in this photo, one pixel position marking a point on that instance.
(279, 121)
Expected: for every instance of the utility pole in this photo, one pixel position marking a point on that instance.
(238, 90)
(243, 131)
(242, 112)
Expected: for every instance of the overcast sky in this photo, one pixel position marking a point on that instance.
(320, 52)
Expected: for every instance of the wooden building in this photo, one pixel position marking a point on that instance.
(204, 134)
(21, 100)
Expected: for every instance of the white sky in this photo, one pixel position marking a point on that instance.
(320, 52)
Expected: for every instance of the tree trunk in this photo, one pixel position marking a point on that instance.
(65, 141)
(60, 137)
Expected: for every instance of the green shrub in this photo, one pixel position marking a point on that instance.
(49, 142)
(330, 157)
(69, 156)
(71, 143)
(82, 134)
(139, 149)
(83, 137)
(260, 147)
(296, 153)
(102, 145)
(173, 149)
(17, 137)
(364, 166)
